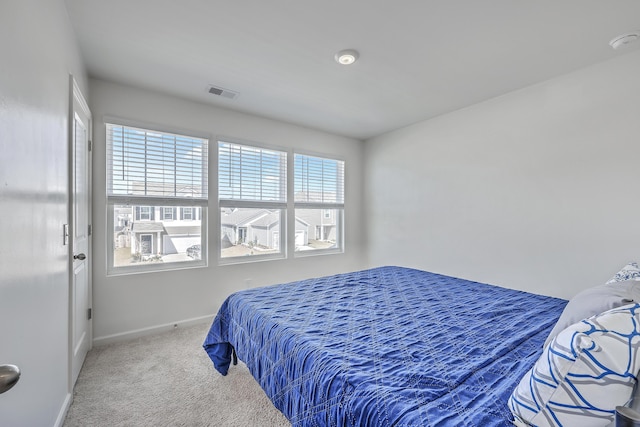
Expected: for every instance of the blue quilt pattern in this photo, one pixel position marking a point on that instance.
(389, 346)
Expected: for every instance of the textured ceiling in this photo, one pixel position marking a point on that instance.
(418, 59)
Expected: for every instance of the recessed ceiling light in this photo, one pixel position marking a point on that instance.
(624, 39)
(347, 57)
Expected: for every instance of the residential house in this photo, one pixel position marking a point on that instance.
(258, 228)
(321, 224)
(157, 230)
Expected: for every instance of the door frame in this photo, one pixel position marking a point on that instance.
(76, 98)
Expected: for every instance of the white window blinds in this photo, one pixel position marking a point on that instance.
(253, 174)
(318, 180)
(144, 164)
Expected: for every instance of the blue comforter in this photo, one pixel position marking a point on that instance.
(389, 346)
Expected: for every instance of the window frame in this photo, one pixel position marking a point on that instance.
(142, 210)
(225, 203)
(157, 202)
(338, 207)
(287, 208)
(191, 210)
(171, 210)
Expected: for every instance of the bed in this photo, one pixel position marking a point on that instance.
(385, 346)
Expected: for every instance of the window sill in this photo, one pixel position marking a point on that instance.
(248, 259)
(317, 252)
(154, 268)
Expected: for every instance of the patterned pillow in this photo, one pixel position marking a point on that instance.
(630, 271)
(586, 371)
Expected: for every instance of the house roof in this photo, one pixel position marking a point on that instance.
(182, 228)
(266, 220)
(261, 218)
(241, 217)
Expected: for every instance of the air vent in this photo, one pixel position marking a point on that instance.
(225, 93)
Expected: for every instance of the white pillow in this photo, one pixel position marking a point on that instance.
(594, 301)
(630, 271)
(587, 370)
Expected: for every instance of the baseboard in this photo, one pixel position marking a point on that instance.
(63, 411)
(137, 333)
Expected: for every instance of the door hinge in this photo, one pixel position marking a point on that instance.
(90, 145)
(89, 314)
(89, 230)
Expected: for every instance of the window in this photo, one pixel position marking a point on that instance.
(188, 214)
(252, 195)
(151, 177)
(168, 214)
(144, 213)
(319, 203)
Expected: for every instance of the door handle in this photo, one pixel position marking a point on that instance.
(81, 257)
(9, 376)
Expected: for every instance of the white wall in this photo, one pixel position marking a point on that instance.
(38, 52)
(124, 305)
(534, 190)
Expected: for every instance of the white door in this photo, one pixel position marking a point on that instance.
(80, 292)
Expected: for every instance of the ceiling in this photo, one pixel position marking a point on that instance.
(418, 58)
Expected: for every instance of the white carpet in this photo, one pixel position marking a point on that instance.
(167, 380)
